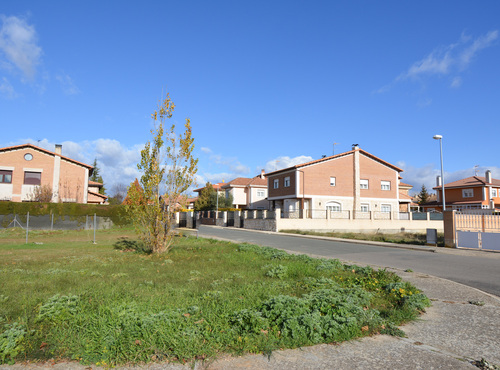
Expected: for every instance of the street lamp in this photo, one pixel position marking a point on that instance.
(440, 138)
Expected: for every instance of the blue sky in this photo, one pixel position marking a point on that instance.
(266, 84)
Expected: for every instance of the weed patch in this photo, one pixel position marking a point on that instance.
(100, 305)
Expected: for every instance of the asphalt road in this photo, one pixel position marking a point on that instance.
(477, 269)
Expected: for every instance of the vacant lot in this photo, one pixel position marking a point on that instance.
(65, 297)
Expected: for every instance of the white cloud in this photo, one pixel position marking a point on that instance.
(453, 58)
(6, 89)
(232, 163)
(434, 63)
(285, 161)
(481, 42)
(456, 82)
(18, 42)
(67, 84)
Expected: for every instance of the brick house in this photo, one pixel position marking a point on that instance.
(352, 181)
(25, 167)
(473, 192)
(248, 193)
(94, 195)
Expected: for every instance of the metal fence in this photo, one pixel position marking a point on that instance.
(322, 214)
(53, 222)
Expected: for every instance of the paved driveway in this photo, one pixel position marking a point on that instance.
(477, 269)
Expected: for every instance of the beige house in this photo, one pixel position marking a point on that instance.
(25, 169)
(248, 193)
(355, 182)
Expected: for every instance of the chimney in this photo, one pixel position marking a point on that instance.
(488, 177)
(438, 180)
(58, 149)
(262, 172)
(355, 146)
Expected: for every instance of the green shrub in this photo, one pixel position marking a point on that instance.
(11, 342)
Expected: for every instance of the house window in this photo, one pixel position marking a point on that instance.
(332, 181)
(333, 207)
(260, 193)
(32, 178)
(5, 177)
(494, 193)
(365, 207)
(363, 184)
(467, 193)
(385, 208)
(385, 185)
(276, 183)
(287, 182)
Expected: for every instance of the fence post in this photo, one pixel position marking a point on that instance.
(52, 222)
(27, 226)
(95, 224)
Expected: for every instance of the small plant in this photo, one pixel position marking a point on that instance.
(483, 364)
(278, 271)
(11, 342)
(477, 303)
(59, 308)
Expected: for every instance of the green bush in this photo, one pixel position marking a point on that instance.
(117, 213)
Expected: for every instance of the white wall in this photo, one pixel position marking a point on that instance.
(359, 225)
(6, 191)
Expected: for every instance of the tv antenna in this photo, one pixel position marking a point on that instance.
(334, 147)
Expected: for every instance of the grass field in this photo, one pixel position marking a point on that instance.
(399, 238)
(108, 304)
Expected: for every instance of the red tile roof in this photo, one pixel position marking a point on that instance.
(98, 195)
(245, 181)
(403, 184)
(16, 147)
(336, 156)
(215, 186)
(470, 181)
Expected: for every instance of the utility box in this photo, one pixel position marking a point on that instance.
(432, 237)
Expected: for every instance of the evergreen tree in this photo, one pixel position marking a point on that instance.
(207, 201)
(95, 173)
(204, 201)
(423, 196)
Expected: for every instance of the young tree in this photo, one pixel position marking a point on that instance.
(423, 196)
(168, 170)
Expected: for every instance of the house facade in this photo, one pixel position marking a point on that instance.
(25, 169)
(473, 192)
(354, 181)
(94, 196)
(248, 193)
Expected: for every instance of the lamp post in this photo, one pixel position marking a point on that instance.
(440, 138)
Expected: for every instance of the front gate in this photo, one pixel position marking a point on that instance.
(182, 219)
(230, 218)
(478, 230)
